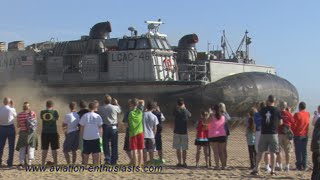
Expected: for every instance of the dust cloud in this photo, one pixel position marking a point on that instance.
(36, 94)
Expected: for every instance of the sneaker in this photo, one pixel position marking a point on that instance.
(185, 165)
(268, 169)
(278, 168)
(287, 169)
(254, 172)
(179, 165)
(273, 173)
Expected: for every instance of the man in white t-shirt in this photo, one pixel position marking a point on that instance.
(150, 122)
(7, 129)
(71, 143)
(316, 116)
(91, 131)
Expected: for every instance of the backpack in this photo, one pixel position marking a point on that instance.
(286, 130)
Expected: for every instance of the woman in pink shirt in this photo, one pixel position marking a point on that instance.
(218, 137)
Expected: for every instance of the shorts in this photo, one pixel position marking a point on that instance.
(126, 145)
(50, 140)
(71, 143)
(137, 142)
(91, 146)
(180, 142)
(201, 143)
(149, 144)
(158, 139)
(285, 144)
(268, 142)
(220, 139)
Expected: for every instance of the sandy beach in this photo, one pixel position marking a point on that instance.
(238, 163)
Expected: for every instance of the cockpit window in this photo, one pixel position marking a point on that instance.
(165, 44)
(159, 44)
(142, 44)
(131, 44)
(123, 44)
(153, 43)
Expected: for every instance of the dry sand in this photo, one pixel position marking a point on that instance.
(238, 163)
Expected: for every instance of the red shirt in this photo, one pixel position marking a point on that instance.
(202, 131)
(301, 123)
(23, 119)
(287, 119)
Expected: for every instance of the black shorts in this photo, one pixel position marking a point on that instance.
(201, 143)
(50, 139)
(158, 139)
(91, 146)
(126, 145)
(220, 139)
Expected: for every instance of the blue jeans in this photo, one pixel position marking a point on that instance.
(110, 135)
(7, 132)
(300, 145)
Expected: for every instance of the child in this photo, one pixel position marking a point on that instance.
(91, 131)
(126, 146)
(150, 122)
(180, 137)
(250, 134)
(136, 131)
(71, 142)
(202, 137)
(27, 142)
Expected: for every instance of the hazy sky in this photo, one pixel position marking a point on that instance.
(285, 33)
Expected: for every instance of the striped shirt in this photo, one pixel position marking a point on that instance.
(22, 119)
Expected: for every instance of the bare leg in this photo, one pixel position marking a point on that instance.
(279, 158)
(44, 156)
(135, 157)
(273, 161)
(205, 151)
(267, 158)
(216, 153)
(184, 156)
(179, 155)
(67, 156)
(74, 157)
(226, 152)
(145, 156)
(223, 156)
(96, 158)
(198, 155)
(258, 160)
(55, 157)
(140, 157)
(287, 154)
(151, 157)
(85, 159)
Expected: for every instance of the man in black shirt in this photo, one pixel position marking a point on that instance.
(271, 119)
(180, 138)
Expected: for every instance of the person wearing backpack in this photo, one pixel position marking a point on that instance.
(285, 137)
(27, 142)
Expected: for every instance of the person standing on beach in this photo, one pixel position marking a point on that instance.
(257, 120)
(109, 113)
(180, 138)
(150, 122)
(316, 116)
(285, 136)
(158, 137)
(202, 137)
(269, 140)
(90, 132)
(126, 146)
(136, 131)
(7, 129)
(70, 124)
(49, 135)
(300, 130)
(227, 117)
(27, 141)
(250, 135)
(83, 111)
(218, 137)
(315, 148)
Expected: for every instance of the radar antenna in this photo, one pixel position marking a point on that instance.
(153, 28)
